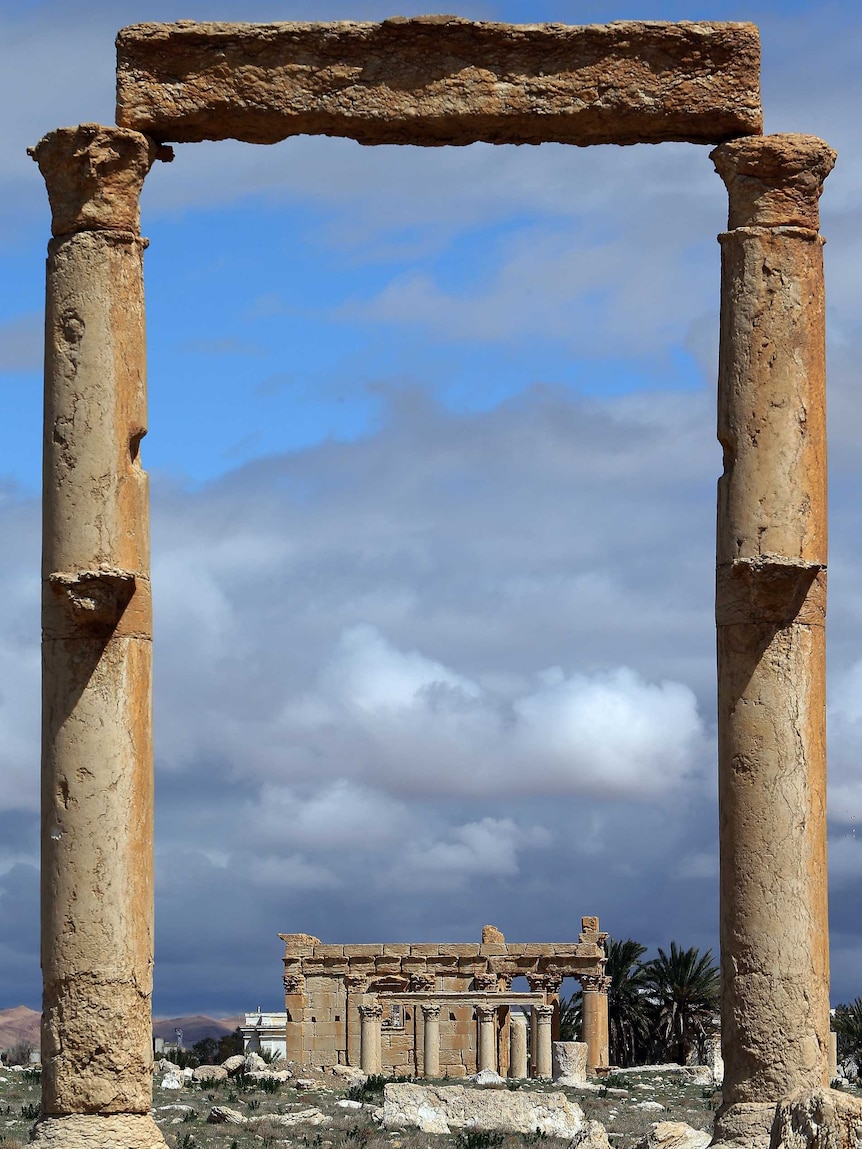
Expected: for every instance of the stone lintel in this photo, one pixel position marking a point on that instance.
(774, 181)
(94, 176)
(441, 80)
(467, 997)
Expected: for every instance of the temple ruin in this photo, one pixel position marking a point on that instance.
(441, 1009)
(433, 81)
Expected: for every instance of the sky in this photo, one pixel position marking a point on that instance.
(433, 463)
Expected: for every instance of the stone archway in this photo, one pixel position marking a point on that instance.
(434, 81)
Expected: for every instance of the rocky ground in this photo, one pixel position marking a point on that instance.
(312, 1109)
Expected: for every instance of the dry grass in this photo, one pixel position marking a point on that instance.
(182, 1115)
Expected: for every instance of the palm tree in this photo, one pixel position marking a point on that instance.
(628, 1007)
(847, 1023)
(683, 987)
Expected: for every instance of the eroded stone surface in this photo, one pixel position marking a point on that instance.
(774, 181)
(822, 1119)
(442, 1108)
(674, 1135)
(88, 1132)
(770, 613)
(569, 1062)
(441, 80)
(94, 176)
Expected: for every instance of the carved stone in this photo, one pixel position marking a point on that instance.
(441, 80)
(770, 613)
(97, 847)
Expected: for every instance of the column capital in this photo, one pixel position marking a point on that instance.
(543, 1012)
(94, 176)
(355, 982)
(594, 982)
(422, 982)
(431, 1010)
(293, 983)
(371, 1011)
(774, 181)
(485, 982)
(486, 1012)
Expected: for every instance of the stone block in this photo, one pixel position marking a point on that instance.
(441, 80)
(440, 1109)
(362, 951)
(459, 949)
(328, 951)
(424, 949)
(399, 949)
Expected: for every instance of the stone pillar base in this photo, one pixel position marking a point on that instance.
(116, 1131)
(819, 1119)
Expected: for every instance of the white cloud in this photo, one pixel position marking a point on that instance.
(488, 849)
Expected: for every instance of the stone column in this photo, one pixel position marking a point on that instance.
(370, 1060)
(517, 1045)
(770, 608)
(594, 1027)
(487, 1037)
(431, 1040)
(97, 768)
(543, 1016)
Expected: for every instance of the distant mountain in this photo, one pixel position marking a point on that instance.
(19, 1024)
(22, 1024)
(195, 1028)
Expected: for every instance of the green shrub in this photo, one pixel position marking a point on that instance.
(478, 1139)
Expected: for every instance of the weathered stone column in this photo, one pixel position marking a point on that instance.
(770, 608)
(517, 1045)
(543, 1016)
(97, 768)
(431, 1040)
(370, 1060)
(487, 1037)
(594, 1026)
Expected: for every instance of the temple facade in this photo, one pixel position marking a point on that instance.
(441, 1009)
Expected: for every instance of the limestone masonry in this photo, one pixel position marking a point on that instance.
(441, 80)
(437, 1009)
(440, 1010)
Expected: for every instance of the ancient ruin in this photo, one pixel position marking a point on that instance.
(440, 1010)
(437, 80)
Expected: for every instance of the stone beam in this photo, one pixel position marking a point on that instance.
(436, 80)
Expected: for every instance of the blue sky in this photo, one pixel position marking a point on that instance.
(433, 463)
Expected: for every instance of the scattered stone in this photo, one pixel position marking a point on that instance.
(346, 1103)
(281, 1075)
(649, 1105)
(222, 1115)
(289, 1120)
(209, 1073)
(234, 1064)
(172, 1081)
(308, 1084)
(487, 1078)
(592, 1136)
(441, 1108)
(349, 1074)
(823, 1117)
(674, 1135)
(254, 1063)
